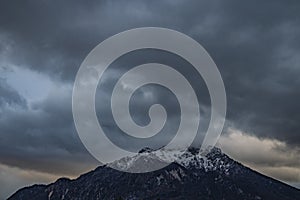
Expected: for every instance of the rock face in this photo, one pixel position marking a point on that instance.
(191, 175)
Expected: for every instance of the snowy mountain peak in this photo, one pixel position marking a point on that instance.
(150, 160)
(193, 174)
(146, 150)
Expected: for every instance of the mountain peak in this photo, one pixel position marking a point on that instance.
(146, 150)
(148, 159)
(192, 174)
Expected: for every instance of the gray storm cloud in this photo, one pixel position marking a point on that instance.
(255, 44)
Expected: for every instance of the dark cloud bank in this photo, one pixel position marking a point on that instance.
(255, 44)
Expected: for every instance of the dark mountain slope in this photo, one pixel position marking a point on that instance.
(191, 176)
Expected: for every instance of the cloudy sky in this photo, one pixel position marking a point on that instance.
(255, 44)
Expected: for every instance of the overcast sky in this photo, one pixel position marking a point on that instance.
(255, 44)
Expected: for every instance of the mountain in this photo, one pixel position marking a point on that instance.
(193, 174)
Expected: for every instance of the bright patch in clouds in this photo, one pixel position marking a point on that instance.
(268, 156)
(33, 86)
(16, 178)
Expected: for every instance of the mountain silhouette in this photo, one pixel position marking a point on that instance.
(192, 174)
